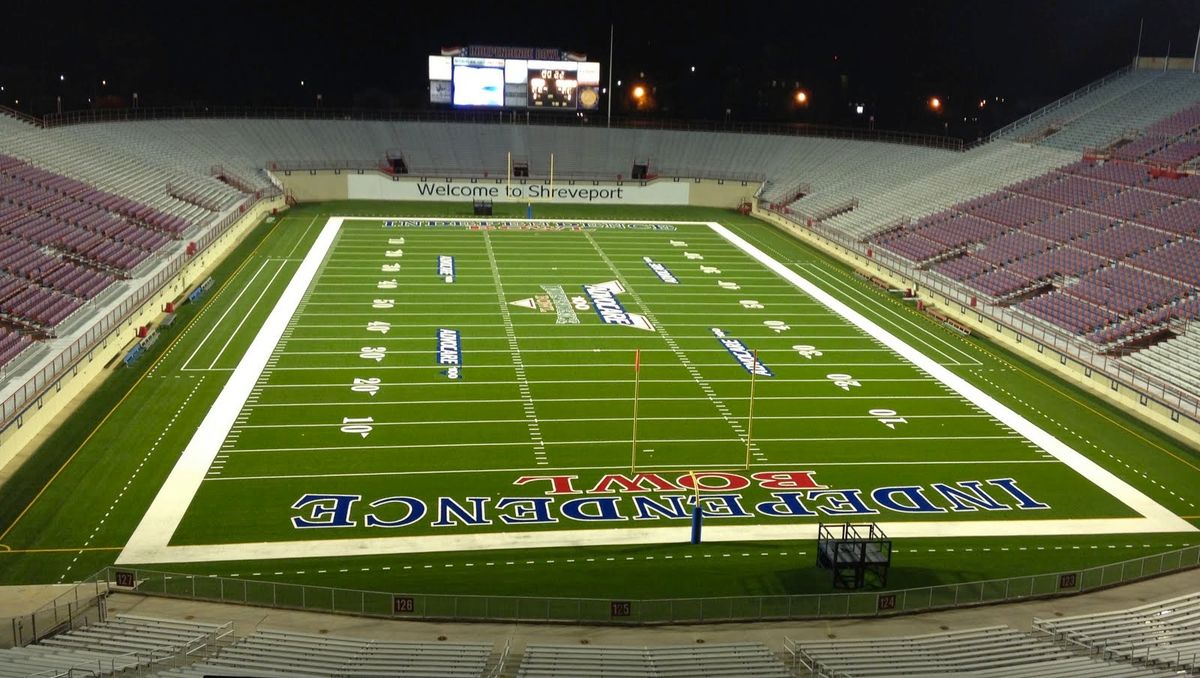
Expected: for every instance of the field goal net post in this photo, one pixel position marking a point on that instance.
(859, 554)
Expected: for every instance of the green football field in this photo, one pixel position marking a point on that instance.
(406, 403)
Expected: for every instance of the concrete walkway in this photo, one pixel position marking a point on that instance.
(18, 600)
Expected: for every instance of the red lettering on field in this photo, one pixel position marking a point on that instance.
(638, 483)
(732, 481)
(786, 480)
(558, 484)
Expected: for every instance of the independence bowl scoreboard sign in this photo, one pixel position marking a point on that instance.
(442, 295)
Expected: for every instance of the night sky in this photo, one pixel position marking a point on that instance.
(749, 57)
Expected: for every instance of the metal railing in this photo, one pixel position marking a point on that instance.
(1184, 403)
(1059, 103)
(40, 382)
(636, 612)
(78, 607)
(499, 174)
(541, 118)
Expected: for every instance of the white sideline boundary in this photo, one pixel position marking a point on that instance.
(150, 542)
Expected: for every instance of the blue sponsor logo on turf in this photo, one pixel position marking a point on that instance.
(742, 354)
(604, 300)
(663, 273)
(449, 353)
(445, 267)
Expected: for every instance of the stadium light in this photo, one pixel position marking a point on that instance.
(858, 109)
(935, 104)
(639, 92)
(61, 77)
(693, 69)
(801, 97)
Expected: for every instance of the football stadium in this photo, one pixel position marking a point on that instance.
(509, 385)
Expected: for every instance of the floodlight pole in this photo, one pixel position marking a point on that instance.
(508, 176)
(611, 30)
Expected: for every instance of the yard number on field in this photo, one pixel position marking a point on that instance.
(693, 256)
(843, 381)
(750, 303)
(372, 353)
(710, 270)
(379, 326)
(389, 268)
(393, 253)
(807, 351)
(383, 303)
(887, 417)
(777, 326)
(369, 385)
(359, 425)
(387, 284)
(395, 241)
(728, 285)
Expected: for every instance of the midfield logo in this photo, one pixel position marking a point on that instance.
(609, 308)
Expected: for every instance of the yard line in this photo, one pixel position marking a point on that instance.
(600, 381)
(588, 351)
(819, 366)
(246, 315)
(227, 311)
(624, 441)
(682, 467)
(535, 432)
(358, 403)
(576, 337)
(573, 420)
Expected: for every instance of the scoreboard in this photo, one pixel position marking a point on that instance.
(494, 77)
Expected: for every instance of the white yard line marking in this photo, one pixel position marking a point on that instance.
(203, 342)
(518, 363)
(246, 315)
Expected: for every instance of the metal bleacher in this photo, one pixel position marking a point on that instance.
(120, 644)
(726, 659)
(1165, 634)
(277, 653)
(992, 652)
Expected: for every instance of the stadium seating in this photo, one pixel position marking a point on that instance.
(727, 659)
(274, 653)
(990, 652)
(1164, 634)
(117, 645)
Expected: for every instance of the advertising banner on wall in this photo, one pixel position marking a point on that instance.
(386, 187)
